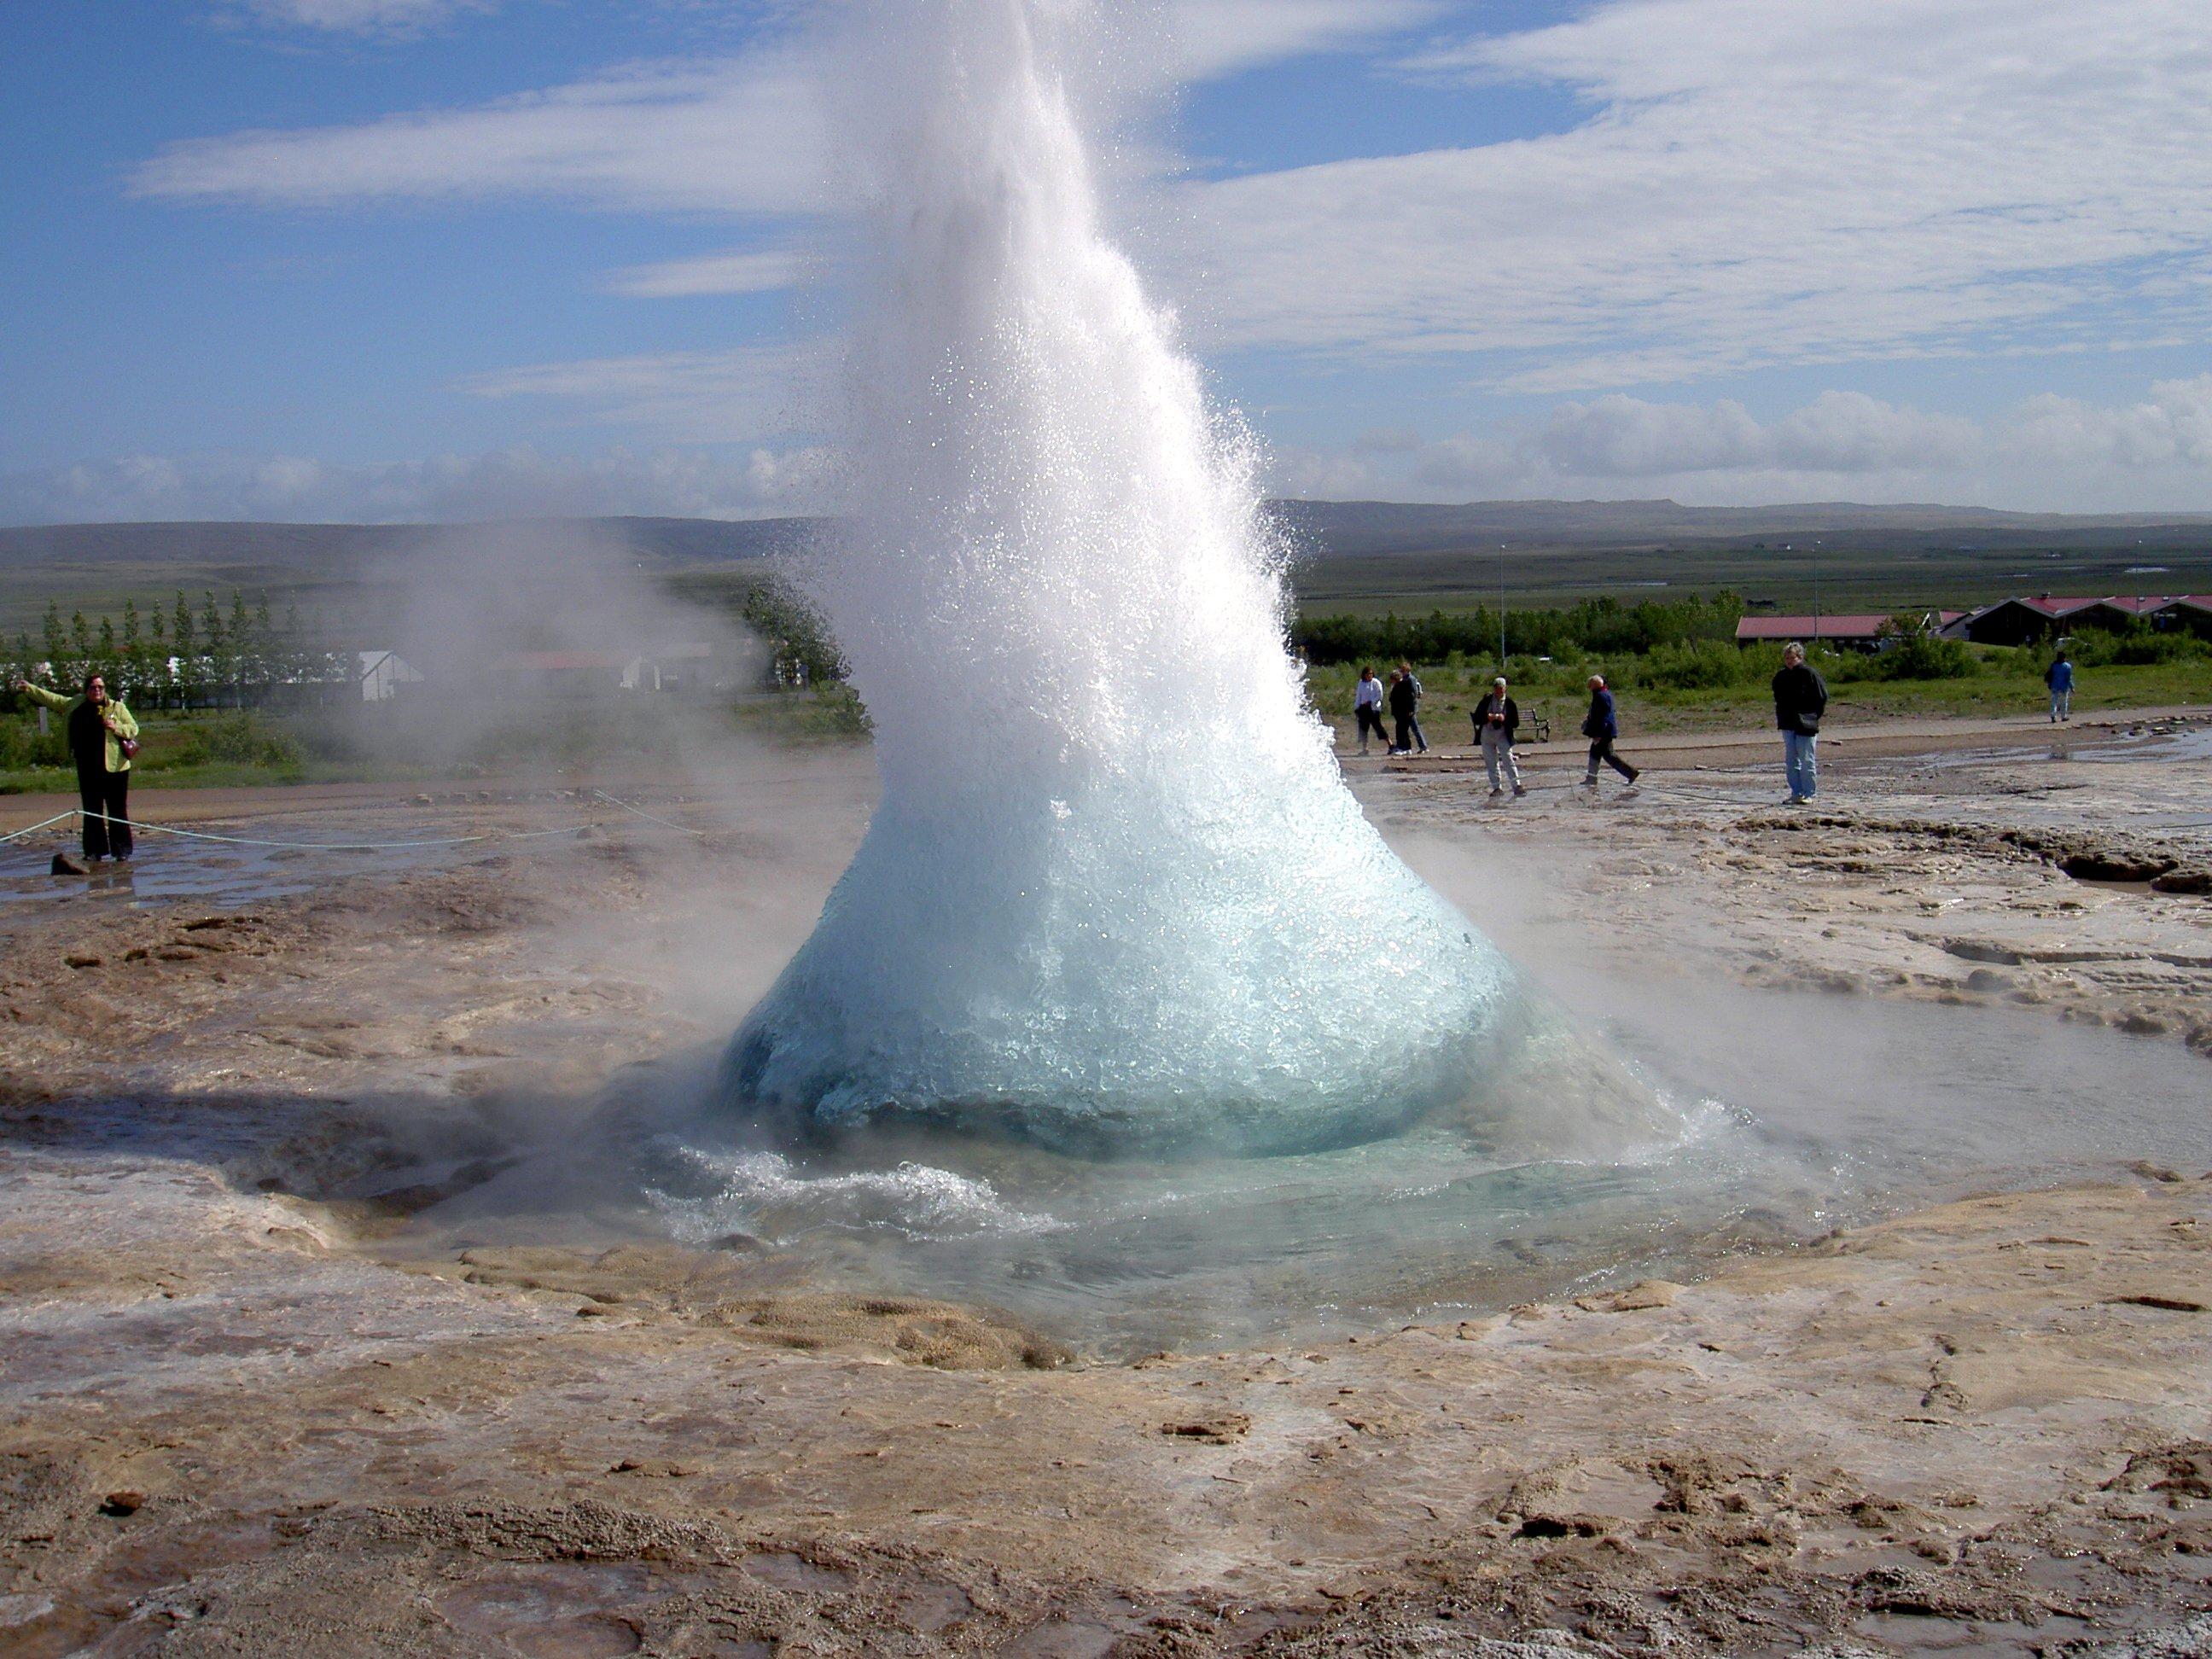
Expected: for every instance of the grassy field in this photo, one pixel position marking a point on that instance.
(2006, 684)
(1843, 580)
(1870, 569)
(212, 750)
(1697, 681)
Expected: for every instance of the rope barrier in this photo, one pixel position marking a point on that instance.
(648, 816)
(141, 824)
(33, 830)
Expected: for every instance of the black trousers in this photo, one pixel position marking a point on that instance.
(1370, 720)
(1409, 733)
(1602, 749)
(105, 797)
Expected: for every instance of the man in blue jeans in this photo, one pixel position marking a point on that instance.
(2059, 677)
(1801, 698)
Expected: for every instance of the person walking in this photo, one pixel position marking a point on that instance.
(2059, 677)
(1497, 721)
(1801, 698)
(1367, 708)
(1405, 700)
(1601, 726)
(102, 738)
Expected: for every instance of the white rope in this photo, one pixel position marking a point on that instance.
(33, 830)
(648, 816)
(308, 845)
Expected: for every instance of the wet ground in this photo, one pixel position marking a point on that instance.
(317, 1335)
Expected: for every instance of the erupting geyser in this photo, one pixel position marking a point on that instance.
(1115, 897)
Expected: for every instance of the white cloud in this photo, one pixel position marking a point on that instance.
(757, 272)
(1215, 37)
(519, 483)
(1818, 181)
(2175, 424)
(1839, 432)
(730, 135)
(689, 396)
(741, 134)
(400, 17)
(2048, 450)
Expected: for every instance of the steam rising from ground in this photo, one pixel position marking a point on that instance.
(523, 631)
(1115, 897)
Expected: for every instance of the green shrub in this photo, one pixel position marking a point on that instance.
(1697, 666)
(1924, 657)
(23, 744)
(240, 739)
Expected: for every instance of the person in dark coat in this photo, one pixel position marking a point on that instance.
(1601, 726)
(1801, 698)
(1404, 699)
(1496, 722)
(102, 735)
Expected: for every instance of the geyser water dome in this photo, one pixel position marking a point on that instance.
(1117, 898)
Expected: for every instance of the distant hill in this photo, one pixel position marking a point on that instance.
(338, 568)
(1360, 528)
(335, 549)
(1364, 555)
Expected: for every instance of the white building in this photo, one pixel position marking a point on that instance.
(381, 674)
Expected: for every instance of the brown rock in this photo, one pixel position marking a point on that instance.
(1649, 1293)
(1218, 1431)
(2172, 1301)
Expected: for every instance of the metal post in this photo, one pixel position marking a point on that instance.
(1816, 592)
(1501, 607)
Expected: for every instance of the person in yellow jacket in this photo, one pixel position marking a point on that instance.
(101, 736)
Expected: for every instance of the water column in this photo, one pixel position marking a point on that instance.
(1117, 897)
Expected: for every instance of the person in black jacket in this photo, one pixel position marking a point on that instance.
(1801, 698)
(102, 737)
(1601, 726)
(1405, 698)
(1497, 721)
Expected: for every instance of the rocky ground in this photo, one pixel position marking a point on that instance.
(247, 1405)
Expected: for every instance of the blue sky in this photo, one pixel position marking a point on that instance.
(416, 258)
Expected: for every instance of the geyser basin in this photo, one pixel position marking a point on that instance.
(1116, 899)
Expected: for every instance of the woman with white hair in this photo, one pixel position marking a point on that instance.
(1801, 698)
(1496, 720)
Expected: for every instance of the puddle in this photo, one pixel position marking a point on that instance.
(789, 1572)
(167, 869)
(557, 1611)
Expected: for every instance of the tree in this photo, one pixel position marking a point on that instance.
(157, 656)
(80, 635)
(180, 639)
(56, 642)
(212, 632)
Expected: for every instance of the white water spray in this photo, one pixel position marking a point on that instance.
(1117, 897)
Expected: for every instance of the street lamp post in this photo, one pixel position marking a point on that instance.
(1816, 592)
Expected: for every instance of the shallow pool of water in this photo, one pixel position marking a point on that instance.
(1799, 1112)
(170, 868)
